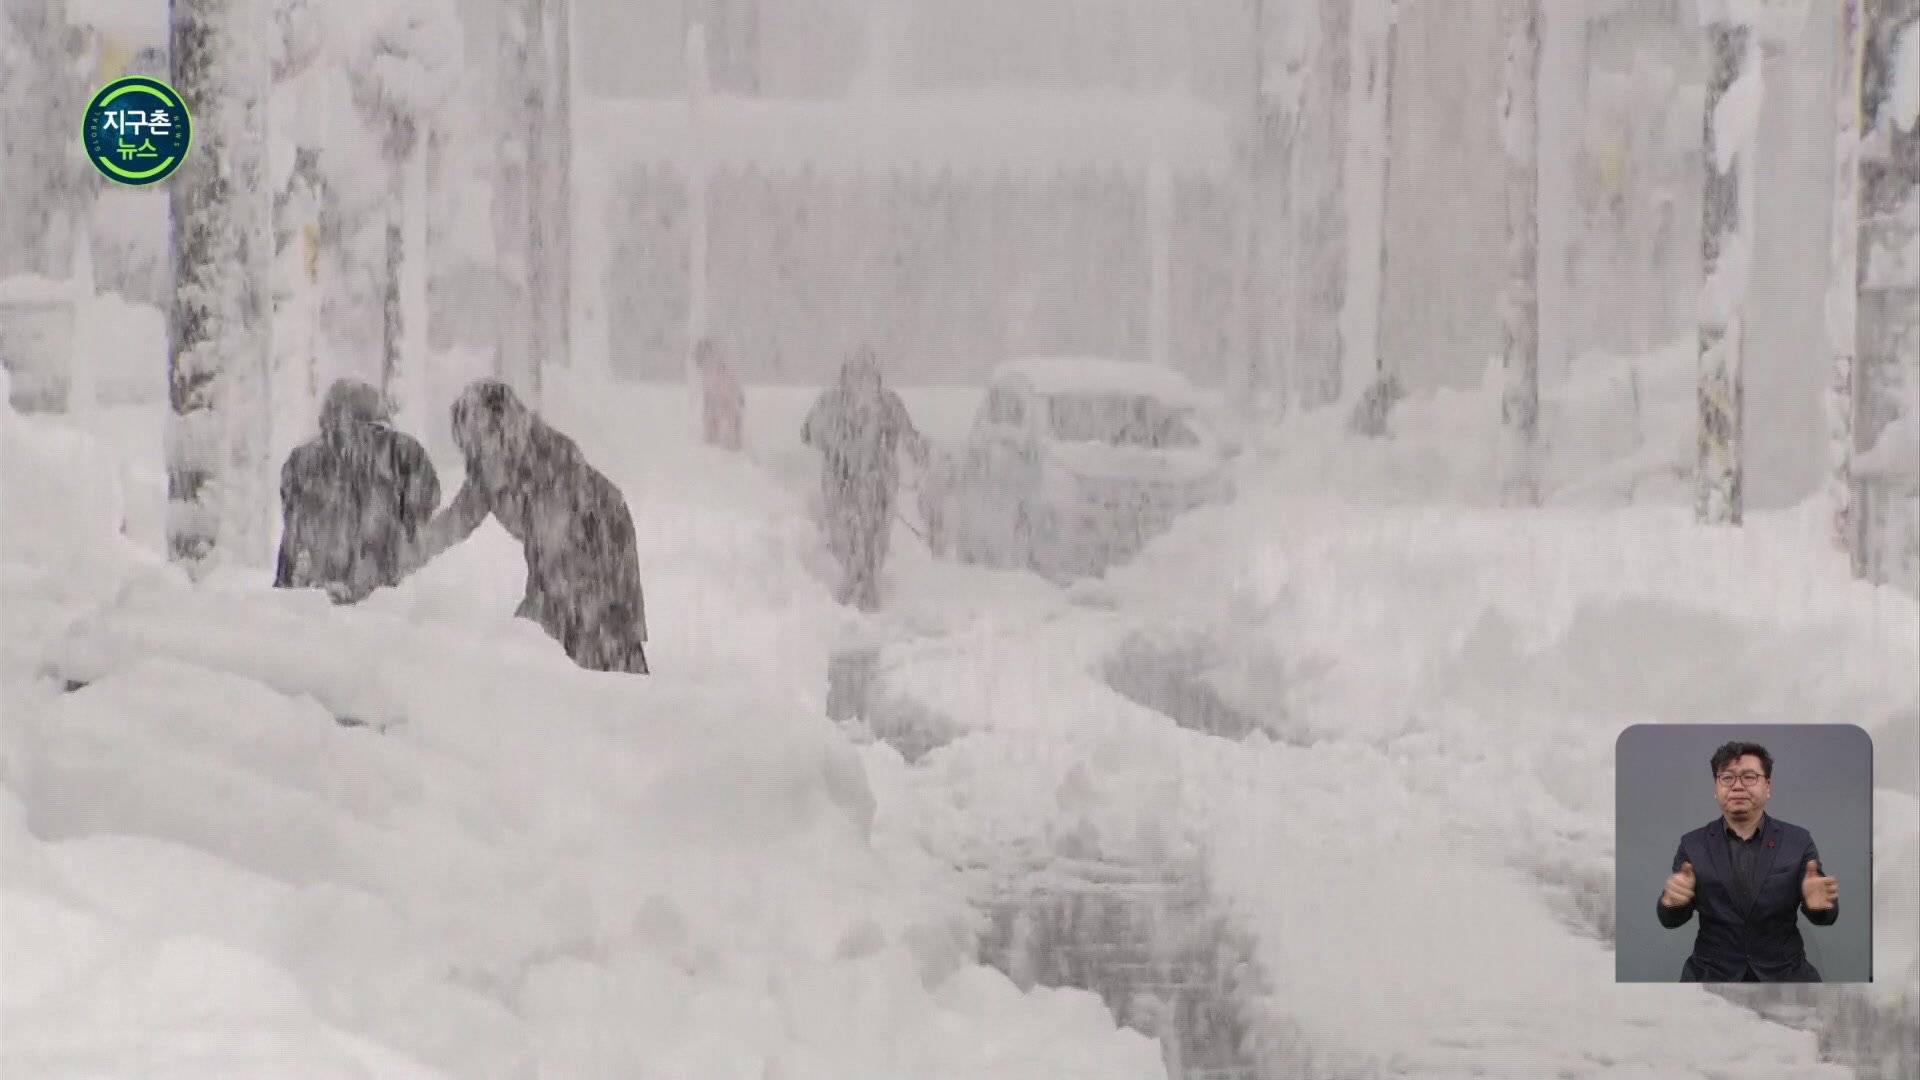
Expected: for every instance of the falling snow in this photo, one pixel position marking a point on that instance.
(1151, 677)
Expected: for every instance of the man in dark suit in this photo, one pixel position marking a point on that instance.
(1748, 875)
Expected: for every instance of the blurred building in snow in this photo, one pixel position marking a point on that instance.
(925, 226)
(949, 264)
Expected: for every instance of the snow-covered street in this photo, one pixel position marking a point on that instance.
(509, 867)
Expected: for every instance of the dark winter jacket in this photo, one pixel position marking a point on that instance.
(351, 498)
(1742, 928)
(583, 563)
(861, 435)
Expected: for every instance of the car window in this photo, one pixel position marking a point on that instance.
(1119, 420)
(1005, 407)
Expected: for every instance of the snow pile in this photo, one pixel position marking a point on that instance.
(1508, 651)
(1620, 429)
(1447, 686)
(1316, 848)
(64, 522)
(536, 868)
(1757, 623)
(62, 496)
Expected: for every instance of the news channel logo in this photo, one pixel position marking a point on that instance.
(137, 131)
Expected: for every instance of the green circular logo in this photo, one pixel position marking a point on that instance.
(136, 131)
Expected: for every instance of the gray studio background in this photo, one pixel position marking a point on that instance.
(1822, 782)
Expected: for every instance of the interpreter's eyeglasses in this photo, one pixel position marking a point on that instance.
(1748, 779)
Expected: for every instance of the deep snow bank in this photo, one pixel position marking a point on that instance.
(64, 502)
(533, 869)
(1489, 660)
(513, 869)
(1315, 851)
(1450, 683)
(1618, 431)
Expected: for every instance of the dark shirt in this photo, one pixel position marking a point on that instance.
(1745, 853)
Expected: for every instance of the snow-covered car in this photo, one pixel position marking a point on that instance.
(1073, 464)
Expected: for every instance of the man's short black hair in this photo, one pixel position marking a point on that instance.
(1734, 751)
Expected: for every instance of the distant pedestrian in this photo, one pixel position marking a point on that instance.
(1372, 414)
(860, 426)
(723, 403)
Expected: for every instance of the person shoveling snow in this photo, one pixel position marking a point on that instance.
(860, 426)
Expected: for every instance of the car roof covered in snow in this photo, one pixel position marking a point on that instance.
(1099, 375)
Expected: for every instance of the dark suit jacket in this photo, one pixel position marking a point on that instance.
(1738, 930)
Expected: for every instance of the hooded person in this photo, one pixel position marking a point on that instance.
(353, 498)
(574, 529)
(859, 426)
(722, 403)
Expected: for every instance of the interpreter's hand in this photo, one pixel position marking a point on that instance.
(1679, 888)
(1820, 893)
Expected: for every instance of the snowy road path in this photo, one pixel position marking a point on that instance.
(1387, 929)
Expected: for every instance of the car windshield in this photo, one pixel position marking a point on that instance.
(1119, 420)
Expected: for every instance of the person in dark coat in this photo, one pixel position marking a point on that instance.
(1748, 875)
(860, 426)
(353, 498)
(583, 563)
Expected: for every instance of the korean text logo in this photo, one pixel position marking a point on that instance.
(137, 131)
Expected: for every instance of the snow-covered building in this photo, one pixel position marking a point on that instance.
(970, 263)
(948, 231)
